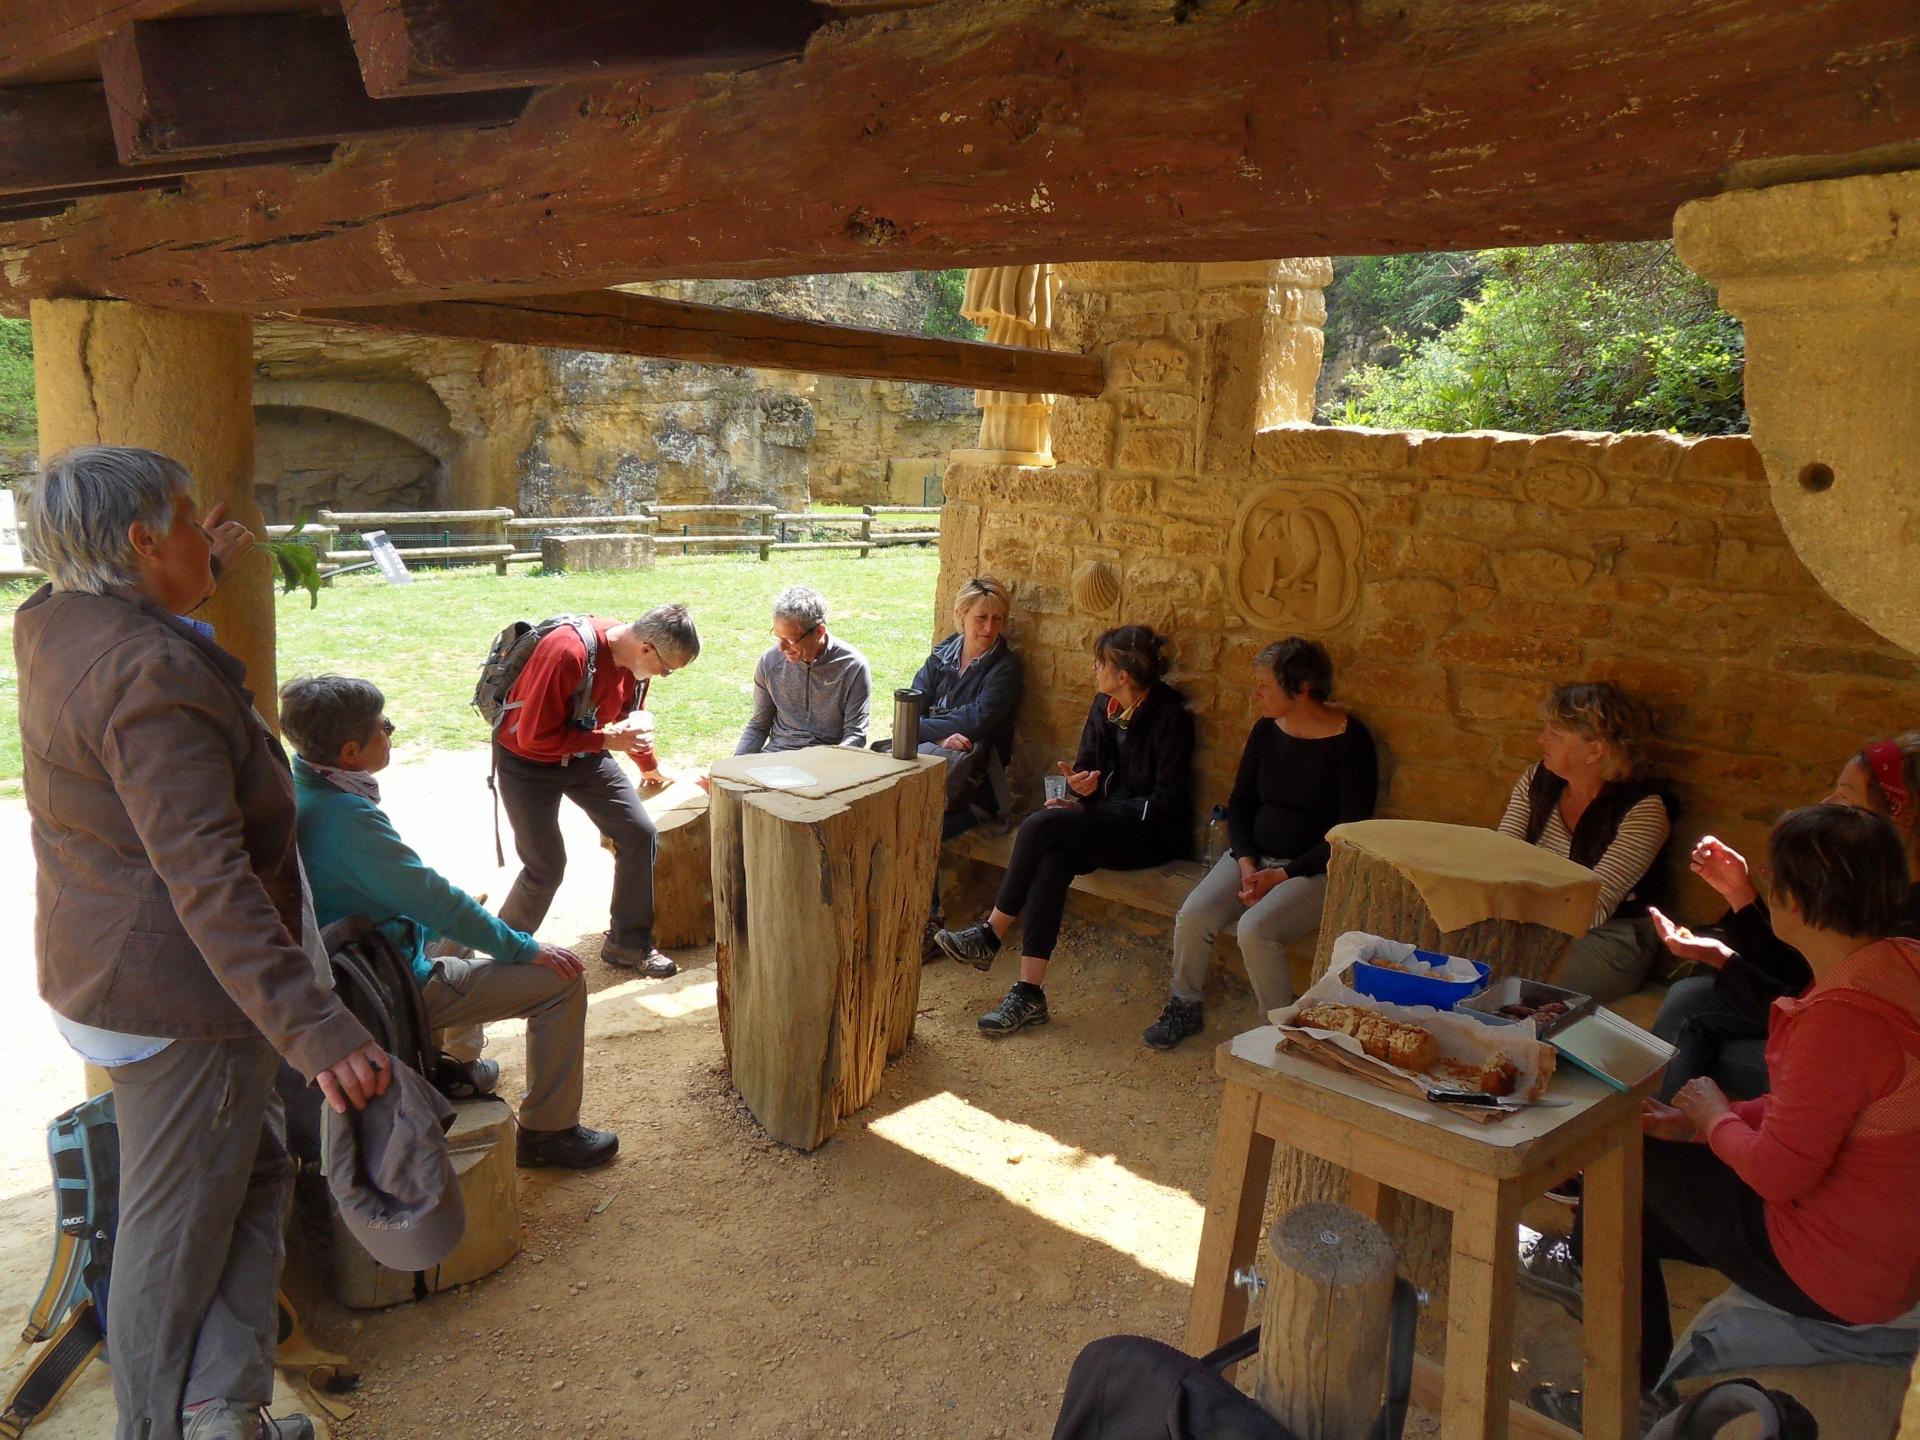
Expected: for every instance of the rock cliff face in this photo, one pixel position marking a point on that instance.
(357, 421)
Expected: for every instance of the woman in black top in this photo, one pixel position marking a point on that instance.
(1306, 768)
(1717, 1022)
(1128, 807)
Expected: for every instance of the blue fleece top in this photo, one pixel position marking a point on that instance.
(357, 864)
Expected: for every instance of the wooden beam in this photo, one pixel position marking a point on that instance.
(35, 33)
(55, 142)
(615, 323)
(433, 47)
(219, 85)
(1024, 130)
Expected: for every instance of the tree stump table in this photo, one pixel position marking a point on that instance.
(823, 868)
(1463, 891)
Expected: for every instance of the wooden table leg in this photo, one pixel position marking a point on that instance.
(1372, 1199)
(1230, 1237)
(1480, 1313)
(1610, 1332)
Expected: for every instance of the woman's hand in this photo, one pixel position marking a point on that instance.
(1664, 1122)
(560, 960)
(1082, 782)
(356, 1078)
(1254, 888)
(1702, 1102)
(959, 744)
(1686, 945)
(1725, 869)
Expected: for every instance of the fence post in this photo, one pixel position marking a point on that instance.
(766, 532)
(866, 529)
(498, 528)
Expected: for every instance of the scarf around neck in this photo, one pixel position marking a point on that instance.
(354, 782)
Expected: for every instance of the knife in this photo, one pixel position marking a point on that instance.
(1487, 1102)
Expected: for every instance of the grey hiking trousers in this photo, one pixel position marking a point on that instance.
(204, 1184)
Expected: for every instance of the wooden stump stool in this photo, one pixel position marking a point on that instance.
(1462, 891)
(823, 864)
(682, 867)
(1325, 1322)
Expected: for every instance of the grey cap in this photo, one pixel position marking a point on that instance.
(390, 1174)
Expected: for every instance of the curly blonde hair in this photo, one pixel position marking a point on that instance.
(1600, 710)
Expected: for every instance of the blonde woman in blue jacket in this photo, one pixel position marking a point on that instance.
(357, 864)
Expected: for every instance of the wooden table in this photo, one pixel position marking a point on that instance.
(1392, 1144)
(823, 866)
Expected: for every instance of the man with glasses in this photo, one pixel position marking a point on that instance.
(545, 755)
(810, 688)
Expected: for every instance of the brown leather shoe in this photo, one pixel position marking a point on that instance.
(651, 963)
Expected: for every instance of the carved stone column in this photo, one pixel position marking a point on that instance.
(107, 372)
(1015, 304)
(1826, 278)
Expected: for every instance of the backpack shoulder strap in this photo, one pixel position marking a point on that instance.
(53, 1371)
(583, 710)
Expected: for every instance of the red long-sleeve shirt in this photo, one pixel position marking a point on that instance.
(1834, 1148)
(542, 727)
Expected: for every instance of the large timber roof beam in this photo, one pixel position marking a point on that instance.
(228, 84)
(616, 323)
(429, 47)
(36, 32)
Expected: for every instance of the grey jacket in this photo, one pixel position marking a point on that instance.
(168, 892)
(796, 705)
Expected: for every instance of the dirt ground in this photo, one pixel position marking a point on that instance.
(930, 1271)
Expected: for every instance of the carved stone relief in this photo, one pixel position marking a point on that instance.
(1015, 304)
(1565, 483)
(1096, 588)
(1293, 563)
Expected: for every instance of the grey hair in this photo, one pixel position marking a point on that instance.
(803, 605)
(83, 503)
(321, 713)
(669, 629)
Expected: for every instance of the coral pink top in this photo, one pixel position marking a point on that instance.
(1834, 1149)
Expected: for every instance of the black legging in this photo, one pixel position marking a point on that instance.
(1053, 846)
(1699, 1211)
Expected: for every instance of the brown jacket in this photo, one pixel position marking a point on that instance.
(163, 831)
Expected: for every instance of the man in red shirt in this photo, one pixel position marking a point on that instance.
(543, 754)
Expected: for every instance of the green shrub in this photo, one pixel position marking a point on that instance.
(17, 421)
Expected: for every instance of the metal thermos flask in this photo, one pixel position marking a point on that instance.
(907, 705)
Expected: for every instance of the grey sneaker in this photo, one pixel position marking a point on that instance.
(1549, 1267)
(469, 1079)
(976, 945)
(649, 962)
(1014, 1012)
(230, 1420)
(1180, 1019)
(1569, 1407)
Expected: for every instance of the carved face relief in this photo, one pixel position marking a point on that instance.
(1294, 561)
(1564, 483)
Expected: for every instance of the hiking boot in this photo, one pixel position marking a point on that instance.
(930, 950)
(976, 946)
(649, 962)
(576, 1148)
(231, 1420)
(1021, 1007)
(1180, 1019)
(1549, 1267)
(468, 1079)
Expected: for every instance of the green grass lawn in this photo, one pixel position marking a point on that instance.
(423, 643)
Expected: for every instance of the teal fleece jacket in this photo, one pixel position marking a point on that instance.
(357, 864)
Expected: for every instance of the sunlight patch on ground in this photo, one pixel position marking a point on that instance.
(696, 998)
(1090, 1195)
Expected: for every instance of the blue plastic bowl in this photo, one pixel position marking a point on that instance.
(1397, 987)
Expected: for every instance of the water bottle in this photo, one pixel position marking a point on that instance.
(1216, 835)
(907, 705)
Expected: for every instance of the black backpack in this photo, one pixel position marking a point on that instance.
(374, 981)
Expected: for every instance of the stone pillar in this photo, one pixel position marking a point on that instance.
(107, 372)
(1826, 278)
(1015, 304)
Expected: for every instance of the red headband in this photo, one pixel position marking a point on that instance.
(1888, 764)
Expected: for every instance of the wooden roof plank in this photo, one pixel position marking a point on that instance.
(56, 144)
(613, 322)
(36, 32)
(218, 85)
(437, 47)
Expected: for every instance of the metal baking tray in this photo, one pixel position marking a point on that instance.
(1517, 991)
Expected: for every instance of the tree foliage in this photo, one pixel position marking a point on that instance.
(944, 317)
(17, 423)
(1581, 337)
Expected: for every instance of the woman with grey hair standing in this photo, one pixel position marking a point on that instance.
(169, 904)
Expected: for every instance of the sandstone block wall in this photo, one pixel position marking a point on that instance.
(1453, 577)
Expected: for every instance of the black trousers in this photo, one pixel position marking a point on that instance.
(1714, 1034)
(1053, 846)
(1697, 1210)
(531, 793)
